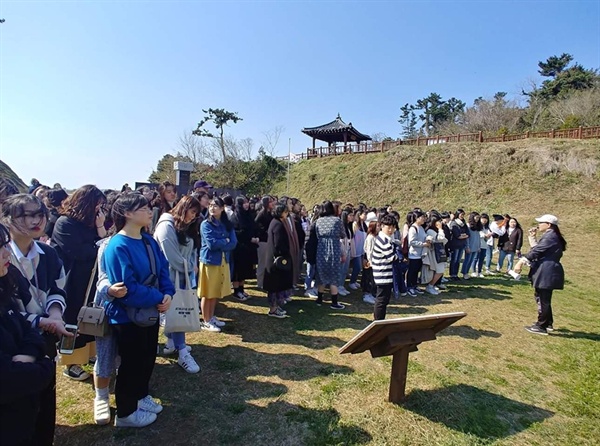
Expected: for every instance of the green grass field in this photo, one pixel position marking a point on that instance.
(483, 381)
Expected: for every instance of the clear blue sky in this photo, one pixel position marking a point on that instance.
(98, 91)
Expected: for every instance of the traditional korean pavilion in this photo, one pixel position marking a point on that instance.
(335, 131)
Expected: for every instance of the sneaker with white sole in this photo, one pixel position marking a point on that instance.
(101, 411)
(412, 292)
(419, 291)
(367, 298)
(277, 313)
(354, 286)
(343, 291)
(188, 363)
(431, 290)
(474, 275)
(76, 373)
(209, 326)
(218, 322)
(149, 405)
(241, 296)
(337, 306)
(170, 349)
(139, 418)
(444, 280)
(311, 292)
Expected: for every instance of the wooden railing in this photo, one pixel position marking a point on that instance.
(382, 146)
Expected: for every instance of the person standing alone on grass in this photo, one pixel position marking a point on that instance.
(546, 273)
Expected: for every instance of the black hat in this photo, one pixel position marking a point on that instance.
(56, 197)
(445, 215)
(498, 217)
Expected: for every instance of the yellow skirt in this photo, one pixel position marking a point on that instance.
(214, 281)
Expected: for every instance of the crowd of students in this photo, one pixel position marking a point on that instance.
(125, 250)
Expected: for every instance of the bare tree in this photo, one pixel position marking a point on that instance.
(271, 140)
(192, 147)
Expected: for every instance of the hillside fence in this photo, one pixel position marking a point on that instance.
(382, 146)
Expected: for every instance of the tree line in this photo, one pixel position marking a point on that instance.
(568, 97)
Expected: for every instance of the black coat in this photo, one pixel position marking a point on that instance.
(546, 272)
(75, 244)
(277, 280)
(20, 383)
(263, 220)
(245, 255)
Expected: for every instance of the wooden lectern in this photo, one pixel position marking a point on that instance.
(399, 337)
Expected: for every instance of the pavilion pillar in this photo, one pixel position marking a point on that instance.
(314, 141)
(345, 141)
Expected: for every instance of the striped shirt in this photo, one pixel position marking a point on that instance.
(382, 260)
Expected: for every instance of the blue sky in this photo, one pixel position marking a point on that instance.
(98, 91)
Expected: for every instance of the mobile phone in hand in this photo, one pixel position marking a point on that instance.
(67, 343)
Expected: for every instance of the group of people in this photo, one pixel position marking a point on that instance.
(129, 251)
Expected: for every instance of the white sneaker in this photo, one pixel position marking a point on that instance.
(170, 349)
(342, 291)
(139, 418)
(444, 280)
(474, 275)
(367, 298)
(431, 290)
(101, 411)
(311, 292)
(188, 363)
(217, 322)
(481, 275)
(208, 326)
(466, 277)
(149, 405)
(354, 286)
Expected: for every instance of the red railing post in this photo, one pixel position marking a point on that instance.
(580, 132)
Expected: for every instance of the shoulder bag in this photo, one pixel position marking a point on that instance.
(92, 319)
(182, 316)
(146, 317)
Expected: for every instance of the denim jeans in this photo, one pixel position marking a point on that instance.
(455, 261)
(356, 264)
(467, 262)
(344, 270)
(510, 256)
(178, 339)
(485, 254)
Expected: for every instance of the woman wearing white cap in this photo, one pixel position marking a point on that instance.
(546, 272)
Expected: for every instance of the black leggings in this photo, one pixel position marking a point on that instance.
(412, 276)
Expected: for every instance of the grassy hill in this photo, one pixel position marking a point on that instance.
(7, 172)
(533, 175)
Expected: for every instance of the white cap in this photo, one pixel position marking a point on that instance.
(547, 218)
(371, 216)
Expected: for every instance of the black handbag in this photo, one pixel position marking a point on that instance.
(282, 263)
(440, 253)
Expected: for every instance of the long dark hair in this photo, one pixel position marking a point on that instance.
(160, 202)
(484, 225)
(474, 224)
(560, 237)
(347, 226)
(126, 202)
(183, 229)
(224, 220)
(327, 209)
(81, 205)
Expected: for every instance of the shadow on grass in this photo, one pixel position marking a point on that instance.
(468, 332)
(475, 411)
(565, 333)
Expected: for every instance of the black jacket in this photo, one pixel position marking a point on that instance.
(546, 272)
(512, 242)
(20, 382)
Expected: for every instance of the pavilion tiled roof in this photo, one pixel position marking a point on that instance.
(334, 132)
